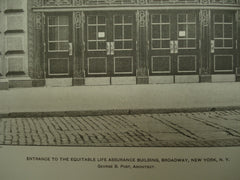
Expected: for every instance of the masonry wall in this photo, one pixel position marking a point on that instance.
(13, 46)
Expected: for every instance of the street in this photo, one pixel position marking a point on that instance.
(197, 129)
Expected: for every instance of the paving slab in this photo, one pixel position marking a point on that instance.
(118, 99)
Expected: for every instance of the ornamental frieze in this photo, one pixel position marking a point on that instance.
(40, 3)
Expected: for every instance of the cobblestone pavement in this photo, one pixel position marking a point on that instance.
(200, 129)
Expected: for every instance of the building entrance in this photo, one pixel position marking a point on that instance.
(110, 44)
(174, 43)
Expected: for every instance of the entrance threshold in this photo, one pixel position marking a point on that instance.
(93, 81)
(58, 82)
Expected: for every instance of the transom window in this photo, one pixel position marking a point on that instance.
(96, 32)
(223, 31)
(160, 31)
(186, 31)
(58, 33)
(123, 32)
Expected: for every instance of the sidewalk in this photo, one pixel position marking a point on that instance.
(119, 99)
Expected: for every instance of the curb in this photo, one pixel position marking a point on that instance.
(115, 112)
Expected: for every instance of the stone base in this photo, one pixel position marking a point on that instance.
(161, 80)
(205, 78)
(78, 81)
(4, 85)
(58, 82)
(224, 78)
(142, 80)
(186, 79)
(238, 77)
(97, 81)
(38, 82)
(123, 80)
(22, 82)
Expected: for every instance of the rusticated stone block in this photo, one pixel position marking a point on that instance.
(16, 4)
(15, 64)
(15, 22)
(14, 43)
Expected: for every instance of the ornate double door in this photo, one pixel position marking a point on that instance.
(173, 43)
(110, 44)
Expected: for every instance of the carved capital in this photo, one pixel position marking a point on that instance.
(79, 19)
(142, 17)
(204, 17)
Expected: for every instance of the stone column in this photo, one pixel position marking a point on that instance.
(79, 48)
(205, 64)
(142, 45)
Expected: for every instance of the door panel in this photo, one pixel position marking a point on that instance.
(173, 43)
(58, 45)
(223, 47)
(110, 44)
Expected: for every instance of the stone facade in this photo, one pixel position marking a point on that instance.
(14, 46)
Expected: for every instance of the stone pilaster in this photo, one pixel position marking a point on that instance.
(38, 67)
(78, 41)
(142, 74)
(204, 18)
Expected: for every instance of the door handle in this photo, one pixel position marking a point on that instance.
(70, 49)
(212, 46)
(175, 47)
(171, 47)
(108, 47)
(112, 48)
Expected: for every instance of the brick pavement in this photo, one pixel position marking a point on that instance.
(199, 129)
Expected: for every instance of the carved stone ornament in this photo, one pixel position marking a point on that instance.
(78, 2)
(37, 3)
(205, 1)
(38, 21)
(57, 2)
(79, 19)
(204, 17)
(142, 1)
(142, 17)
